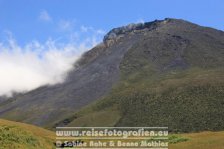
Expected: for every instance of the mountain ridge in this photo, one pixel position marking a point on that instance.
(128, 60)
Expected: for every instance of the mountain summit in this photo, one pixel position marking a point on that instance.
(117, 33)
(161, 73)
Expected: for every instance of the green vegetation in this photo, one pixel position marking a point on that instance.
(14, 135)
(166, 80)
(173, 139)
(172, 77)
(202, 140)
(185, 101)
(8, 135)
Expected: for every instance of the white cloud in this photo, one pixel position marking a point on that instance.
(66, 25)
(86, 28)
(140, 20)
(100, 31)
(92, 29)
(44, 16)
(24, 68)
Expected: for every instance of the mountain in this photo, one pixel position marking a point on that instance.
(161, 73)
(24, 136)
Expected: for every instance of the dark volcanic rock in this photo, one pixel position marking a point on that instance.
(94, 75)
(167, 44)
(117, 33)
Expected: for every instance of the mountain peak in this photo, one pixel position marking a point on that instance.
(155, 64)
(120, 32)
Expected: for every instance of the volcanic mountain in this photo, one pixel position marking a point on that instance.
(163, 73)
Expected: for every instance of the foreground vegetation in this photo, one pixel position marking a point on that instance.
(203, 140)
(14, 135)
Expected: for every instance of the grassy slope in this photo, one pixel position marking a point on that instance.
(14, 135)
(203, 140)
(193, 98)
(173, 77)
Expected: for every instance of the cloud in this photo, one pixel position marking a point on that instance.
(86, 28)
(140, 20)
(91, 29)
(44, 16)
(100, 31)
(66, 25)
(24, 68)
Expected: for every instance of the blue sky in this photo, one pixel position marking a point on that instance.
(22, 17)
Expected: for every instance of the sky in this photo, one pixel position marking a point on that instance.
(41, 39)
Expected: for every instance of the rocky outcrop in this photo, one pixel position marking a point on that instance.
(117, 33)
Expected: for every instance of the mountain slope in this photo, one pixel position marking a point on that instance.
(23, 136)
(172, 77)
(161, 73)
(83, 85)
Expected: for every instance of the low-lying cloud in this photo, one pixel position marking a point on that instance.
(24, 68)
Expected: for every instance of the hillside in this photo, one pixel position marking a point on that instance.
(203, 140)
(161, 73)
(173, 77)
(186, 102)
(23, 136)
